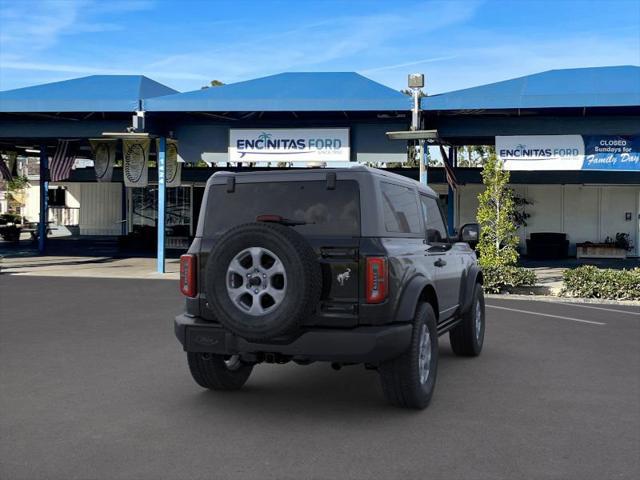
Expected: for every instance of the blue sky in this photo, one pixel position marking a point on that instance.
(184, 44)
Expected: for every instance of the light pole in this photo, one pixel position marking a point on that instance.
(416, 83)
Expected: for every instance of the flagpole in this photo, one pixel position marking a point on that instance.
(44, 199)
(453, 158)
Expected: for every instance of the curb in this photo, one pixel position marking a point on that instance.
(534, 290)
(556, 299)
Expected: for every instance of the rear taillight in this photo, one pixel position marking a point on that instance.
(188, 284)
(377, 279)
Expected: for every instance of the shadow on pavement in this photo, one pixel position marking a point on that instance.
(80, 246)
(277, 392)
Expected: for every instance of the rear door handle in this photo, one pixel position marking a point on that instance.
(440, 263)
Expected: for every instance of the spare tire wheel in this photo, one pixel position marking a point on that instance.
(262, 280)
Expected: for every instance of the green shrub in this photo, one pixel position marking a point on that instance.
(592, 282)
(501, 277)
(498, 241)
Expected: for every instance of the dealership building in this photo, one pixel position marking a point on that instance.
(549, 129)
(570, 137)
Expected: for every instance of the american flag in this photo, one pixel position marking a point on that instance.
(62, 161)
(4, 170)
(448, 170)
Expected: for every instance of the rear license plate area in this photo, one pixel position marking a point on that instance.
(211, 340)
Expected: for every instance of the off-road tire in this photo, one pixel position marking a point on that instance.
(210, 371)
(304, 280)
(400, 377)
(463, 338)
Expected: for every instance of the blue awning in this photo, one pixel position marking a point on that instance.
(96, 93)
(577, 87)
(288, 92)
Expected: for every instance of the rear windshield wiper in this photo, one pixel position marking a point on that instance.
(281, 220)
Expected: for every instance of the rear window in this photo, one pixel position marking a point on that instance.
(400, 207)
(326, 212)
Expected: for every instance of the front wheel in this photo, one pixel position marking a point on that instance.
(409, 380)
(467, 337)
(218, 372)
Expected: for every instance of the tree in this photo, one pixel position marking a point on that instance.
(520, 214)
(474, 155)
(412, 160)
(496, 213)
(409, 93)
(213, 83)
(15, 194)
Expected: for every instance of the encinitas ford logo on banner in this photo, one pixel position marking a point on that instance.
(541, 152)
(289, 145)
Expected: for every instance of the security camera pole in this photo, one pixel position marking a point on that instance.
(416, 83)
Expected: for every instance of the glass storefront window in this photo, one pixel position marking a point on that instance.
(179, 206)
(144, 207)
(144, 211)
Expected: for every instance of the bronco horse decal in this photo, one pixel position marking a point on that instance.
(344, 276)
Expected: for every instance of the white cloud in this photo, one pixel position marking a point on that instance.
(31, 27)
(408, 64)
(88, 70)
(435, 37)
(314, 46)
(41, 29)
(499, 58)
(353, 41)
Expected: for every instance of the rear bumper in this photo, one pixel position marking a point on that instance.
(359, 345)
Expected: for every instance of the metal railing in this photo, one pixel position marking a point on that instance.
(68, 216)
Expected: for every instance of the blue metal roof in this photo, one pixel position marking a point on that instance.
(307, 91)
(577, 87)
(96, 93)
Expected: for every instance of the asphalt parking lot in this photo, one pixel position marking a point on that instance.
(93, 385)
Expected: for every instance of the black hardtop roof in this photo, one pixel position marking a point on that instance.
(320, 173)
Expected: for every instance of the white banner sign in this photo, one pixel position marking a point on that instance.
(104, 157)
(289, 145)
(541, 152)
(136, 162)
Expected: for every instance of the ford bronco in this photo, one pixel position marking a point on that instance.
(346, 266)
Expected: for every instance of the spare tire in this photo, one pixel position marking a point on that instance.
(262, 280)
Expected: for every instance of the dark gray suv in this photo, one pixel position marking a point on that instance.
(339, 265)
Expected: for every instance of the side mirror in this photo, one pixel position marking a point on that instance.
(469, 233)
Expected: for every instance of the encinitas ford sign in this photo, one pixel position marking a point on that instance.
(289, 145)
(541, 152)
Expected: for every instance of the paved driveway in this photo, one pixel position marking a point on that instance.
(94, 385)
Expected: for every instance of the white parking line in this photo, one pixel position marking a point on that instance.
(597, 308)
(546, 315)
